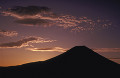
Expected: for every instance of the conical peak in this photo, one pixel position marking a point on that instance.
(79, 49)
(74, 53)
(81, 55)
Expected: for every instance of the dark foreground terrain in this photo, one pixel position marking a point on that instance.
(78, 62)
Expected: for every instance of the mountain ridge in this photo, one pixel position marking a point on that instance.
(76, 62)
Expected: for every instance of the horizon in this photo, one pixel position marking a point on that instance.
(104, 54)
(37, 30)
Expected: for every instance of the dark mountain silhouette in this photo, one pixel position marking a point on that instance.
(77, 62)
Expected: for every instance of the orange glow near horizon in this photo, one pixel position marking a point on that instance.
(13, 59)
(20, 62)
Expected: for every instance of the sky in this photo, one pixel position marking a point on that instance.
(37, 30)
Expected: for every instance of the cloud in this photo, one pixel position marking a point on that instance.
(32, 22)
(24, 42)
(21, 12)
(29, 10)
(107, 49)
(54, 49)
(8, 33)
(44, 16)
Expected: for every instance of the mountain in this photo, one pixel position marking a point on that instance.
(79, 61)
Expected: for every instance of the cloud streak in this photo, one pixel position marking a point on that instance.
(8, 33)
(107, 49)
(54, 49)
(24, 42)
(43, 16)
(32, 22)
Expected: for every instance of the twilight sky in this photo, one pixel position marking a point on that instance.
(36, 30)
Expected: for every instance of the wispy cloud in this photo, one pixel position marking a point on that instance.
(8, 33)
(44, 16)
(24, 42)
(107, 49)
(32, 22)
(20, 11)
(54, 49)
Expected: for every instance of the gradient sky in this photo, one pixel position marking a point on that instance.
(36, 30)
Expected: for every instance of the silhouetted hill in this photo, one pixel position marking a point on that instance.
(79, 61)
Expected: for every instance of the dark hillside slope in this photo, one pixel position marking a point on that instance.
(79, 61)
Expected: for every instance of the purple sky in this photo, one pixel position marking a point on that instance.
(37, 30)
